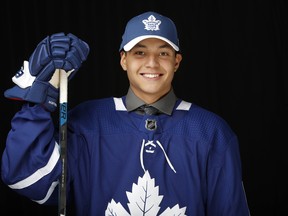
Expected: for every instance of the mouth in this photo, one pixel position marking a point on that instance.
(151, 76)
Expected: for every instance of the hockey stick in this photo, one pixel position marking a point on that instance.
(63, 102)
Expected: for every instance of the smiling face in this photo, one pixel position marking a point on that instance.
(150, 67)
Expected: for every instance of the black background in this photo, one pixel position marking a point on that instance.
(234, 64)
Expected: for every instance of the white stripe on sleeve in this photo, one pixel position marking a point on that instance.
(40, 173)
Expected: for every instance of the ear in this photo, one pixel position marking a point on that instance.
(123, 60)
(178, 59)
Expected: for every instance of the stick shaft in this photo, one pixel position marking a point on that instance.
(63, 102)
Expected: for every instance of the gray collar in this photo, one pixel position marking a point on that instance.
(164, 104)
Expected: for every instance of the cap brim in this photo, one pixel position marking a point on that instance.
(136, 40)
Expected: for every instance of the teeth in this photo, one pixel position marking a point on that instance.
(151, 75)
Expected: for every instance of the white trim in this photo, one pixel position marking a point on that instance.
(184, 105)
(119, 105)
(40, 173)
(50, 191)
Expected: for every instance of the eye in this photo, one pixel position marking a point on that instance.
(164, 54)
(139, 53)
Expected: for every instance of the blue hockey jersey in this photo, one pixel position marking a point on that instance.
(122, 163)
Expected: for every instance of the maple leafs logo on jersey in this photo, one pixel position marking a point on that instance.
(143, 200)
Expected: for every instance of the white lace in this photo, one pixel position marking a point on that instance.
(150, 142)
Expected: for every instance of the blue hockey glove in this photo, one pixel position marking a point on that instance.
(37, 81)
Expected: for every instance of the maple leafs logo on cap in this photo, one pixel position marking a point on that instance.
(151, 24)
(147, 25)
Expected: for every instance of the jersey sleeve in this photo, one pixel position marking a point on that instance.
(226, 194)
(30, 161)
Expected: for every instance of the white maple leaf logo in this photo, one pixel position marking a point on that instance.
(143, 200)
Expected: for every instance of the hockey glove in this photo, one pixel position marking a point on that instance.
(38, 80)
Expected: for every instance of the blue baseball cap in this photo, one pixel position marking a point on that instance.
(149, 25)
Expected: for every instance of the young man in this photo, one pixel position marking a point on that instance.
(124, 158)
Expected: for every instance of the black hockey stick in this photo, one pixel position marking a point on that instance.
(63, 102)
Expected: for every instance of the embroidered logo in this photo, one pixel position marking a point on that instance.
(151, 124)
(150, 147)
(151, 24)
(144, 199)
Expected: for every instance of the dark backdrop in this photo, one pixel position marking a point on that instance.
(235, 64)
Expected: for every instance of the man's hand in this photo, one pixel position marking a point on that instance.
(37, 81)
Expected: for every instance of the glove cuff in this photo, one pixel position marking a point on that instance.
(51, 101)
(39, 93)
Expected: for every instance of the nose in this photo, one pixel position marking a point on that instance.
(152, 61)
